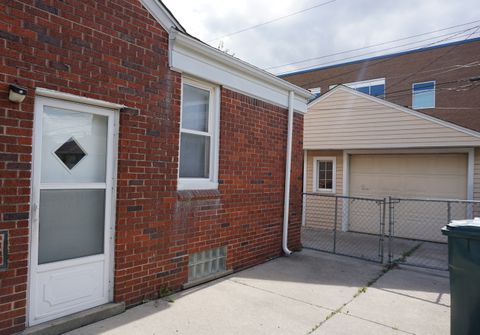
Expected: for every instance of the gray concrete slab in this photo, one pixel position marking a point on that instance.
(320, 279)
(221, 308)
(432, 255)
(412, 301)
(342, 324)
(297, 295)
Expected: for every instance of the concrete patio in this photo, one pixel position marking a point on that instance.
(308, 293)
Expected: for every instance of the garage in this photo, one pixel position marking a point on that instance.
(409, 176)
(374, 170)
(431, 176)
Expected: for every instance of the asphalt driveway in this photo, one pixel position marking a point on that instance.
(308, 293)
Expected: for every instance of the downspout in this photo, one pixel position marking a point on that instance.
(288, 169)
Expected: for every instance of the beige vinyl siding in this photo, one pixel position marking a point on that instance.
(320, 211)
(338, 154)
(476, 175)
(476, 182)
(435, 176)
(346, 120)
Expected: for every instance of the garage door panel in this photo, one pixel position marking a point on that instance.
(429, 176)
(432, 176)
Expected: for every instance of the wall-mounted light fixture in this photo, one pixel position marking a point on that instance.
(17, 93)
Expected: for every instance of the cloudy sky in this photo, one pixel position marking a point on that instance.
(287, 32)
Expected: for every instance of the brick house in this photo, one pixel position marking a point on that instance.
(141, 159)
(405, 125)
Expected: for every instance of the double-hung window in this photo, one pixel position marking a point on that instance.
(423, 95)
(324, 174)
(198, 136)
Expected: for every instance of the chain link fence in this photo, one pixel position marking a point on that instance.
(393, 230)
(344, 225)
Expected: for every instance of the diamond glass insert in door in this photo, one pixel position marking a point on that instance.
(70, 153)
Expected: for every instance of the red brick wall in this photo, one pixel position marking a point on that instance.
(120, 55)
(155, 238)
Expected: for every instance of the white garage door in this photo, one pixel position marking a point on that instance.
(441, 176)
(430, 176)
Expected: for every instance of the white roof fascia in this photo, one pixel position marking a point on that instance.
(399, 108)
(191, 56)
(162, 15)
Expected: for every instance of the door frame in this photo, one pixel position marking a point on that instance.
(72, 102)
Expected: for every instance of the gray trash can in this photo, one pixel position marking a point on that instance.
(464, 267)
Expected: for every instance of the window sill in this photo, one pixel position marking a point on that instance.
(196, 184)
(417, 108)
(207, 279)
(325, 192)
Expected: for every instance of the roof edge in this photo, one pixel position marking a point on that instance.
(236, 63)
(396, 54)
(162, 14)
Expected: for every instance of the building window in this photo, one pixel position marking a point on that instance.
(316, 90)
(374, 87)
(324, 174)
(198, 136)
(206, 263)
(423, 95)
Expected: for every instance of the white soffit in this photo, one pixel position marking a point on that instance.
(191, 56)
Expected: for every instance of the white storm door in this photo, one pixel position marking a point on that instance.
(72, 209)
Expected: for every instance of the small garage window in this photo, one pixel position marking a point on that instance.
(324, 174)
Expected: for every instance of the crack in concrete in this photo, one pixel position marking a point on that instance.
(280, 295)
(360, 291)
(378, 323)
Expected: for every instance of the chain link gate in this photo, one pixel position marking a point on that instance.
(357, 227)
(350, 226)
(416, 237)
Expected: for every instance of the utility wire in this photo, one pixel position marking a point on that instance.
(338, 61)
(393, 95)
(371, 46)
(437, 59)
(368, 64)
(270, 21)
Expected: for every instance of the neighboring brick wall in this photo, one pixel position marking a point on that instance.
(114, 51)
(444, 64)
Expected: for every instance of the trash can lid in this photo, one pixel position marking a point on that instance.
(468, 226)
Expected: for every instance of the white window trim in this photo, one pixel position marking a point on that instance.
(315, 174)
(363, 83)
(434, 93)
(213, 127)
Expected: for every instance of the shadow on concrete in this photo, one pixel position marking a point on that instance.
(293, 291)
